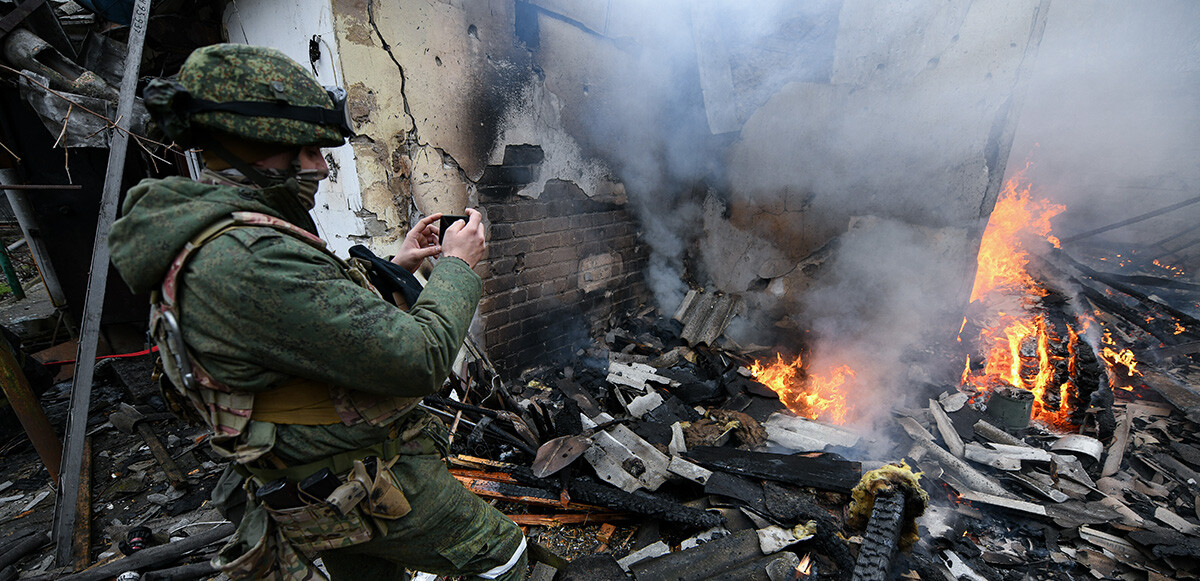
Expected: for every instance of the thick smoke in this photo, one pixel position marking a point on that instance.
(1111, 117)
(878, 303)
(894, 116)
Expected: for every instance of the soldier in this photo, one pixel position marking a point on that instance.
(304, 374)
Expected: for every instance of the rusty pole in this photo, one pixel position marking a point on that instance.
(29, 411)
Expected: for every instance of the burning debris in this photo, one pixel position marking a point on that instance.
(1065, 446)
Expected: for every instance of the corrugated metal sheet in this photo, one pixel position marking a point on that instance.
(705, 315)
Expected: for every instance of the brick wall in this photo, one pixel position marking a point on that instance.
(557, 268)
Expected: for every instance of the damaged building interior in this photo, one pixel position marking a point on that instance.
(836, 289)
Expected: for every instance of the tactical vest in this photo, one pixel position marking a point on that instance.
(227, 410)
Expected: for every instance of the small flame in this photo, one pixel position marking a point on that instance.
(815, 397)
(805, 566)
(1179, 329)
(1124, 358)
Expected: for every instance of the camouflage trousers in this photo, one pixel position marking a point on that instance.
(450, 531)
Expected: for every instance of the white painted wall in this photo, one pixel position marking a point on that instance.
(288, 26)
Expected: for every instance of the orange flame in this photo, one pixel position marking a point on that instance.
(1017, 346)
(1123, 358)
(813, 396)
(1002, 256)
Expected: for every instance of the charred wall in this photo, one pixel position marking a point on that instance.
(556, 266)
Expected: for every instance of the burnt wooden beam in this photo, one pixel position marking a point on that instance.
(555, 520)
(643, 503)
(1100, 300)
(28, 411)
(517, 493)
(1117, 285)
(882, 537)
(182, 572)
(1184, 397)
(824, 471)
(20, 547)
(1128, 221)
(705, 561)
(586, 491)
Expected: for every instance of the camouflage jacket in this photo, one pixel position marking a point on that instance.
(259, 307)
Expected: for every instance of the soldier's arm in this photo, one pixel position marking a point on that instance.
(302, 317)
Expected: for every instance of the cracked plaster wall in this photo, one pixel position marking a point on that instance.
(340, 216)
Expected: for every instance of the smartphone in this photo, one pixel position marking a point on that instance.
(446, 221)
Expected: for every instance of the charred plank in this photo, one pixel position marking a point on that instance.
(881, 539)
(824, 471)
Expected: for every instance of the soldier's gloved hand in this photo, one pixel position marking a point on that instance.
(466, 241)
(420, 243)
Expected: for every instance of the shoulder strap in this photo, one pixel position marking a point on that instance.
(165, 308)
(170, 286)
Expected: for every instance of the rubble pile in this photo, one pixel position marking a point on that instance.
(652, 456)
(682, 423)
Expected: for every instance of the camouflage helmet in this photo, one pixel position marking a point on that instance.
(250, 92)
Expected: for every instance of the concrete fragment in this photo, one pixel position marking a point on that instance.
(1003, 456)
(952, 402)
(1175, 521)
(634, 375)
(959, 568)
(775, 538)
(642, 405)
(704, 537)
(624, 459)
(706, 316)
(946, 429)
(678, 445)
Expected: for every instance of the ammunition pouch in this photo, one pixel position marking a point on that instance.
(259, 551)
(353, 513)
(333, 523)
(385, 499)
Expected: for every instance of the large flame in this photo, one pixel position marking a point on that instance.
(1016, 345)
(814, 396)
(1002, 255)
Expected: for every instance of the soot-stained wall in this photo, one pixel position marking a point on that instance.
(556, 266)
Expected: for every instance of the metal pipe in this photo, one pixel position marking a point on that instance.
(37, 245)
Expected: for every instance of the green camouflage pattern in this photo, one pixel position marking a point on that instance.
(259, 307)
(316, 527)
(238, 72)
(259, 551)
(449, 530)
